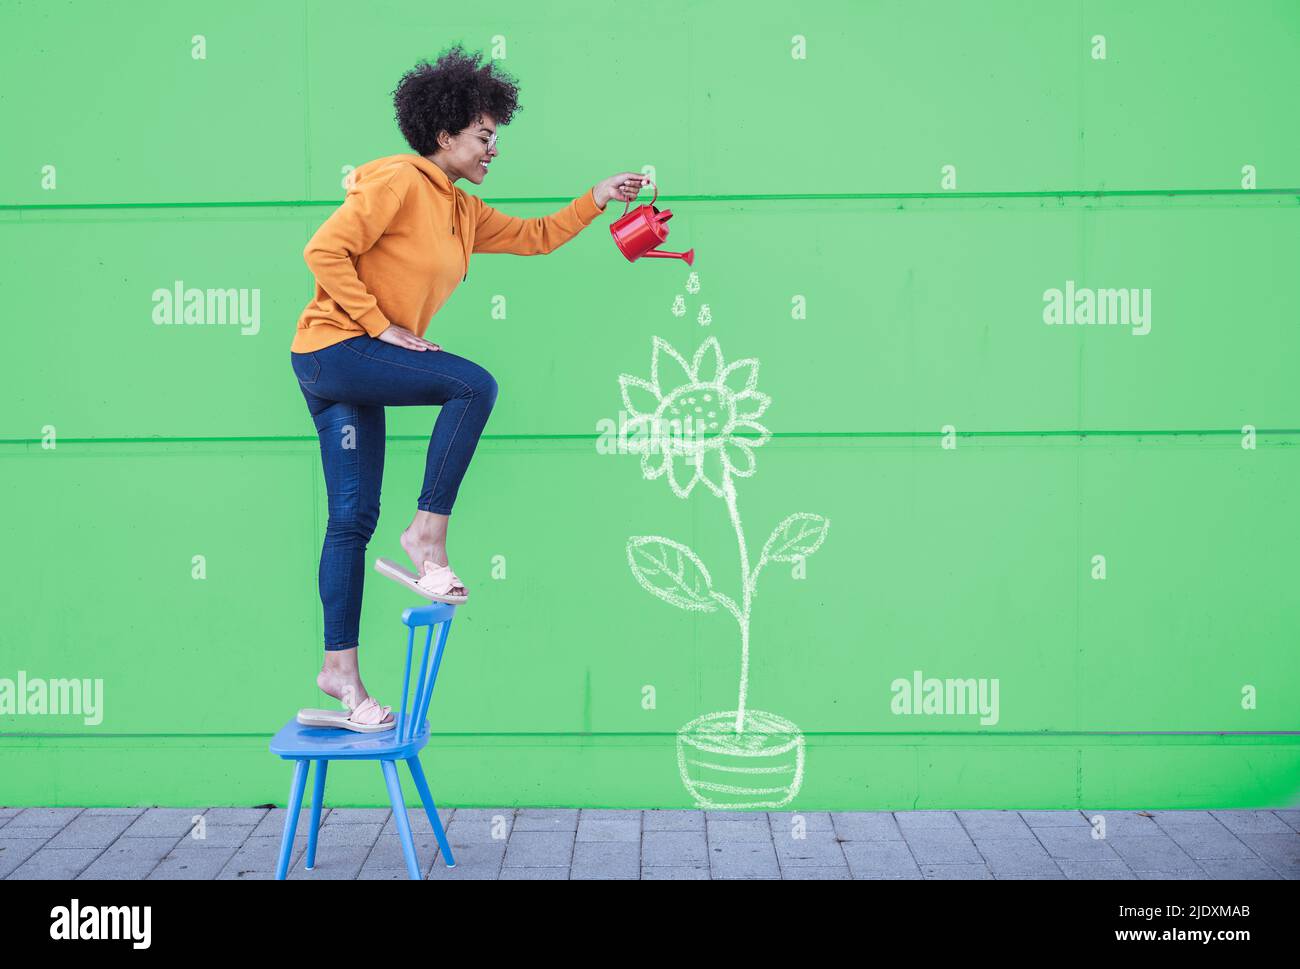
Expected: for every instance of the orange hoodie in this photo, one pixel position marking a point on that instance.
(398, 246)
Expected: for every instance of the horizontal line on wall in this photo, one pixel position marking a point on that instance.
(762, 197)
(579, 735)
(791, 435)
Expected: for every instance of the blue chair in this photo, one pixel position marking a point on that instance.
(404, 742)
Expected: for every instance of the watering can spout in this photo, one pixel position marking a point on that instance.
(688, 256)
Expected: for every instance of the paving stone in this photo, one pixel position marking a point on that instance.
(601, 829)
(909, 821)
(17, 831)
(1053, 819)
(1127, 823)
(1168, 818)
(742, 859)
(1076, 843)
(675, 873)
(14, 851)
(1095, 870)
(943, 847)
(387, 852)
(1015, 856)
(236, 816)
(163, 823)
(1209, 843)
(193, 864)
(824, 873)
(815, 851)
(56, 863)
(539, 849)
(866, 826)
(742, 830)
(606, 859)
(813, 822)
(674, 849)
(272, 822)
(880, 859)
(956, 872)
(1289, 817)
(1253, 822)
(38, 817)
(129, 859)
(746, 817)
(342, 862)
(546, 819)
(261, 854)
(1170, 875)
(218, 835)
(469, 831)
(534, 874)
(354, 835)
(1236, 868)
(1281, 851)
(609, 814)
(1152, 854)
(8, 812)
(384, 874)
(890, 878)
(473, 861)
(998, 825)
(121, 811)
(672, 821)
(1058, 875)
(484, 814)
(359, 816)
(247, 875)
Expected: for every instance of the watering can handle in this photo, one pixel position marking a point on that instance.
(628, 203)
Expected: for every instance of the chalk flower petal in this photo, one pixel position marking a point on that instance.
(639, 396)
(739, 457)
(747, 430)
(667, 368)
(750, 404)
(683, 475)
(654, 464)
(740, 376)
(707, 365)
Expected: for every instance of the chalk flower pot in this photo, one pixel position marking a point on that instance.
(761, 767)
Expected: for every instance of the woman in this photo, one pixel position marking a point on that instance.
(384, 263)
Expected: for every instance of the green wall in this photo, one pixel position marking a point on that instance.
(882, 303)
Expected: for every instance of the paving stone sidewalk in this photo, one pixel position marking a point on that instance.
(154, 843)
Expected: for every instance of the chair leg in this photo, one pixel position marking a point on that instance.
(430, 809)
(399, 817)
(291, 818)
(317, 800)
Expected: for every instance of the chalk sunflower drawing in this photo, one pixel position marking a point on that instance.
(701, 424)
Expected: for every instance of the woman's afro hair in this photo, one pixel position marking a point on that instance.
(449, 96)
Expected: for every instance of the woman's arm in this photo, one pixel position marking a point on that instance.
(354, 228)
(498, 232)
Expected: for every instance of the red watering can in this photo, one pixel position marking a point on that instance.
(636, 233)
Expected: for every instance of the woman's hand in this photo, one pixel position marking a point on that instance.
(400, 337)
(622, 187)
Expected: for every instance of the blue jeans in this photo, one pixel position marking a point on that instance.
(346, 387)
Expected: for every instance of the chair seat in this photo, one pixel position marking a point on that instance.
(297, 742)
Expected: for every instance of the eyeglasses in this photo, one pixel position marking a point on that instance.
(491, 142)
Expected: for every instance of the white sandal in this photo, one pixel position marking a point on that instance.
(366, 717)
(435, 584)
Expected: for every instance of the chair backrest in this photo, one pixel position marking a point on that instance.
(436, 614)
